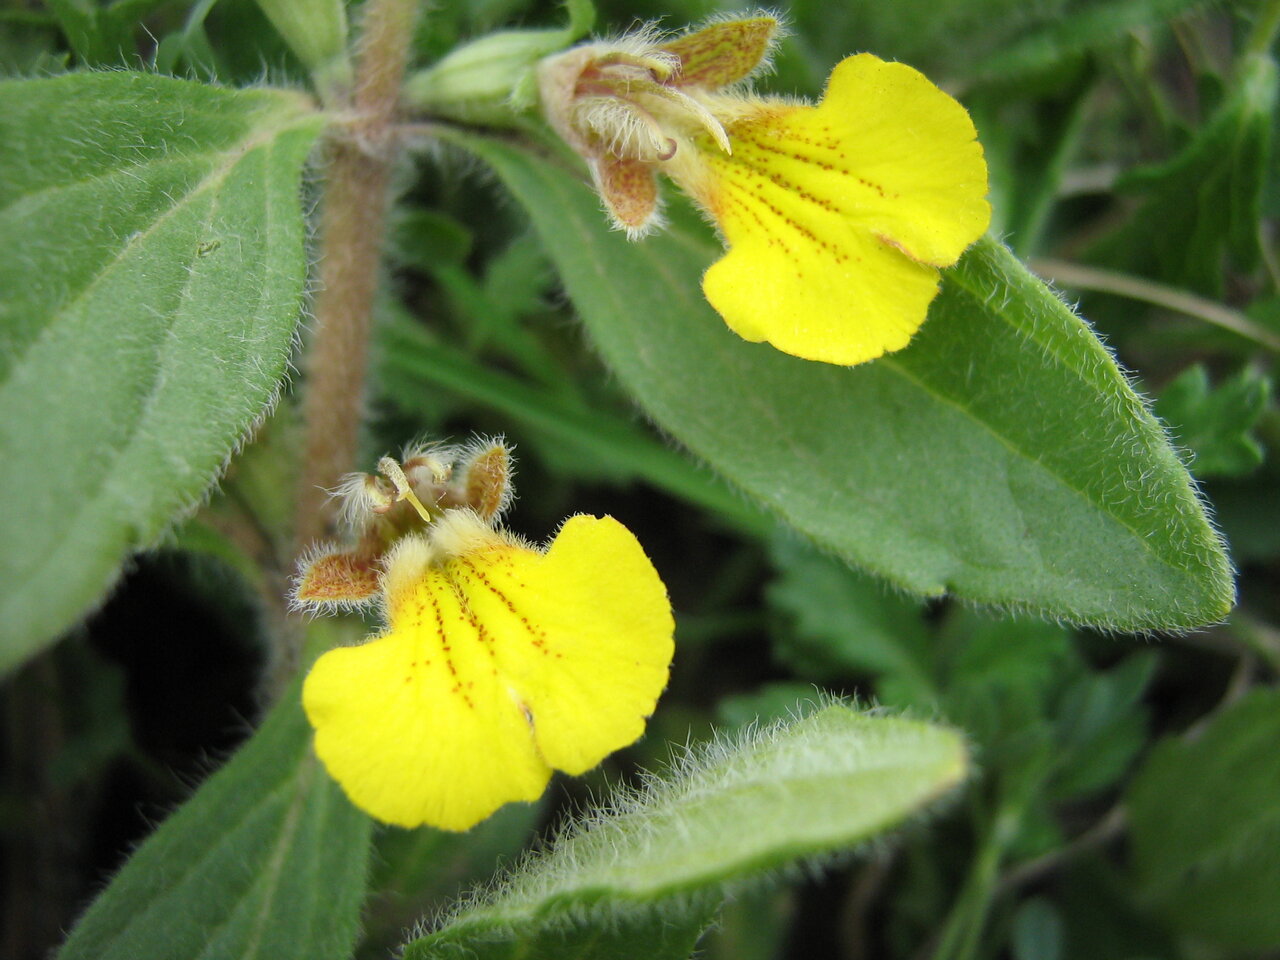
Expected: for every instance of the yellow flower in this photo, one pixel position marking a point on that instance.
(837, 217)
(500, 662)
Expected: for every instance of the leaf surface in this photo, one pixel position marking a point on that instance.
(643, 877)
(1217, 423)
(1203, 205)
(1002, 456)
(152, 263)
(1206, 828)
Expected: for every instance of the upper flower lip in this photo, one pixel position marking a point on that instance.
(433, 481)
(650, 80)
(837, 217)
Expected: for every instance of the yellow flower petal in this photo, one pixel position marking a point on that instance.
(417, 725)
(869, 303)
(836, 215)
(500, 663)
(591, 633)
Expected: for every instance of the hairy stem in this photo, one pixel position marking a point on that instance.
(354, 208)
(360, 158)
(351, 225)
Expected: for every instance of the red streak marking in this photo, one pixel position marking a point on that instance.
(536, 635)
(468, 615)
(444, 644)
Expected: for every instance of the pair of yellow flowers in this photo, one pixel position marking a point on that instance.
(502, 661)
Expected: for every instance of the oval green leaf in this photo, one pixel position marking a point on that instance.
(642, 877)
(1002, 456)
(152, 269)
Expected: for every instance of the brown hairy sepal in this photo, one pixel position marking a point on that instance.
(634, 104)
(406, 498)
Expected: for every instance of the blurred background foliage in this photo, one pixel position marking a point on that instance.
(1128, 800)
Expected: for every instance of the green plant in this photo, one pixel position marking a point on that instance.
(920, 590)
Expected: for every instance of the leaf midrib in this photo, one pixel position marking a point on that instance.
(266, 884)
(525, 907)
(34, 573)
(186, 869)
(217, 175)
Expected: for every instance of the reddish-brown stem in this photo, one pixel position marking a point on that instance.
(353, 211)
(351, 226)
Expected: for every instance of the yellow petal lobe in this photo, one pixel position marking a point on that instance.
(837, 216)
(417, 725)
(587, 638)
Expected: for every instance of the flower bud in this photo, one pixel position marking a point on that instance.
(491, 80)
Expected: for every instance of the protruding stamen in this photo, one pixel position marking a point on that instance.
(392, 471)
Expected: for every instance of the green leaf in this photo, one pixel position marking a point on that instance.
(79, 23)
(1059, 37)
(102, 34)
(425, 238)
(518, 278)
(997, 677)
(188, 49)
(1247, 507)
(1029, 147)
(426, 868)
(1013, 658)
(410, 359)
(1101, 725)
(1206, 828)
(316, 32)
(30, 44)
(268, 859)
(1216, 424)
(846, 623)
(1001, 456)
(151, 255)
(642, 877)
(1204, 204)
